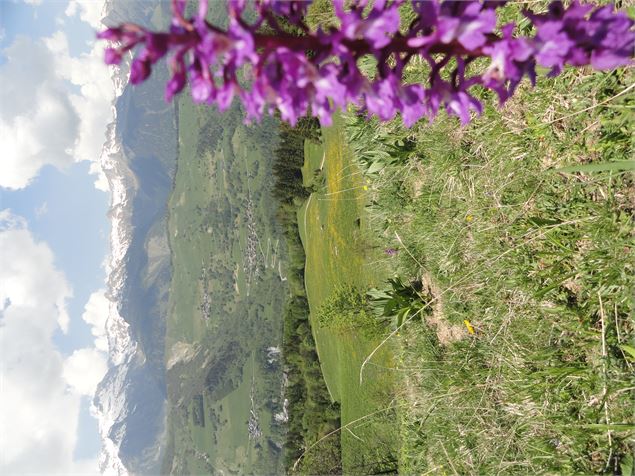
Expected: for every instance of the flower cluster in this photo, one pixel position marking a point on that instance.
(316, 72)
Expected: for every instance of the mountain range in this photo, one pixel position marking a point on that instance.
(139, 160)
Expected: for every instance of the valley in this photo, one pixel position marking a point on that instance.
(224, 327)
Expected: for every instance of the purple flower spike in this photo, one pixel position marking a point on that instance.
(617, 44)
(225, 95)
(460, 104)
(175, 85)
(112, 56)
(412, 104)
(319, 72)
(157, 45)
(112, 34)
(466, 22)
(475, 25)
(140, 70)
(605, 40)
(201, 89)
(380, 25)
(511, 60)
(177, 81)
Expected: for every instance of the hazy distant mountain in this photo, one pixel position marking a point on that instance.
(139, 159)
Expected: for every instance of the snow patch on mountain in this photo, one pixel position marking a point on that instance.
(130, 401)
(109, 405)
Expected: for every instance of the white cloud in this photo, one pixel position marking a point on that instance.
(101, 182)
(95, 315)
(38, 410)
(10, 221)
(43, 121)
(42, 210)
(33, 2)
(89, 11)
(93, 103)
(84, 369)
(38, 123)
(28, 275)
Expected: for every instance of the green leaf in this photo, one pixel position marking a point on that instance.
(611, 427)
(400, 316)
(539, 221)
(375, 167)
(626, 465)
(618, 165)
(629, 350)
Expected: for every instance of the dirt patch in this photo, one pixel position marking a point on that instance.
(181, 352)
(417, 181)
(446, 332)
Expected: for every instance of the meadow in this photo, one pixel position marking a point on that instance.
(340, 252)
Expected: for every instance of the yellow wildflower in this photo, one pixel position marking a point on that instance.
(469, 326)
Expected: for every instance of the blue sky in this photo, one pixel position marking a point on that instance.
(54, 233)
(36, 21)
(65, 210)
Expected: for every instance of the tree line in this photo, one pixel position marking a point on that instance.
(312, 414)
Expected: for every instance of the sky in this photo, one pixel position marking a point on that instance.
(55, 103)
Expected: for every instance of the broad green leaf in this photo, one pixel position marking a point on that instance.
(611, 427)
(626, 465)
(629, 350)
(401, 315)
(375, 167)
(618, 165)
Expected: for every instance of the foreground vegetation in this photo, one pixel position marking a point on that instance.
(512, 239)
(519, 358)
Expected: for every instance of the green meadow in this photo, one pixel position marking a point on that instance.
(340, 252)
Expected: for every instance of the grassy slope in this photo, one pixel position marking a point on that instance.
(541, 265)
(338, 253)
